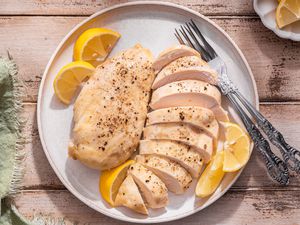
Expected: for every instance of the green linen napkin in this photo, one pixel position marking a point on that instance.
(11, 142)
(12, 154)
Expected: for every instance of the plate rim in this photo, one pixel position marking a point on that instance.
(39, 102)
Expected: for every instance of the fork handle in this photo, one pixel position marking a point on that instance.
(277, 169)
(290, 154)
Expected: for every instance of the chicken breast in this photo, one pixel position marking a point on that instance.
(220, 113)
(185, 68)
(172, 53)
(129, 196)
(199, 117)
(183, 133)
(189, 93)
(175, 177)
(153, 190)
(180, 153)
(110, 111)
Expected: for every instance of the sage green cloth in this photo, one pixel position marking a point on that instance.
(12, 149)
(11, 216)
(11, 143)
(9, 130)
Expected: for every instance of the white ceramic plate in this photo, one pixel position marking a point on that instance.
(151, 24)
(266, 9)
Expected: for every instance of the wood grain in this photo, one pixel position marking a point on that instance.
(285, 117)
(88, 7)
(31, 42)
(235, 207)
(275, 62)
(32, 29)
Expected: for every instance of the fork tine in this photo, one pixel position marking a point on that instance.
(206, 44)
(182, 31)
(177, 35)
(204, 53)
(207, 47)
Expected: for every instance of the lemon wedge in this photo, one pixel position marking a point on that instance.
(94, 45)
(287, 12)
(211, 176)
(69, 78)
(236, 147)
(111, 180)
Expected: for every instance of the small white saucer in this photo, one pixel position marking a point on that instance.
(266, 9)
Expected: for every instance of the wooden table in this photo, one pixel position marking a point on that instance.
(31, 29)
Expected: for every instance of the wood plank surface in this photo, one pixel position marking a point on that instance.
(32, 29)
(275, 62)
(88, 7)
(235, 207)
(285, 117)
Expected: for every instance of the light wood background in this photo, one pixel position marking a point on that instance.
(31, 29)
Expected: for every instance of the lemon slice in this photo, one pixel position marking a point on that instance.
(94, 45)
(236, 147)
(69, 78)
(287, 12)
(111, 180)
(211, 176)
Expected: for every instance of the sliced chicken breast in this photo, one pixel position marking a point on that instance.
(110, 111)
(153, 190)
(189, 93)
(202, 73)
(185, 68)
(220, 113)
(175, 177)
(172, 53)
(199, 117)
(175, 151)
(183, 133)
(129, 196)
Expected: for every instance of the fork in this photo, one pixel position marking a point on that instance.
(189, 34)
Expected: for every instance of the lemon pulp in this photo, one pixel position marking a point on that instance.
(211, 176)
(94, 45)
(69, 78)
(111, 180)
(236, 147)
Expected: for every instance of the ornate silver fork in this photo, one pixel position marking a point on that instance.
(189, 34)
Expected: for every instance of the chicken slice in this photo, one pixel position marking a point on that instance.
(175, 151)
(183, 133)
(172, 53)
(175, 177)
(189, 93)
(110, 111)
(153, 190)
(185, 68)
(220, 113)
(129, 196)
(210, 96)
(199, 117)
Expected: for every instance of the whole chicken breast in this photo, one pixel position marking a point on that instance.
(199, 117)
(153, 190)
(189, 93)
(183, 133)
(185, 68)
(110, 111)
(172, 53)
(175, 177)
(129, 196)
(183, 154)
